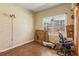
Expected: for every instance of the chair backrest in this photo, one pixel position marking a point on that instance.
(62, 39)
(60, 36)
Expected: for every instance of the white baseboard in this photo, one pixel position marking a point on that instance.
(16, 46)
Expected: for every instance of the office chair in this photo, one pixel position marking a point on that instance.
(66, 46)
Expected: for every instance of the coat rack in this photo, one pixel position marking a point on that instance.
(12, 16)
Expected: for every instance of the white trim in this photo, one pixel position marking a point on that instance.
(16, 46)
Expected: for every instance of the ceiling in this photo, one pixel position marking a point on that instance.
(38, 6)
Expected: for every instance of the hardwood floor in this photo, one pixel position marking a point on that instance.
(30, 49)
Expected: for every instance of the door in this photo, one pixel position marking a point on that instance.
(76, 23)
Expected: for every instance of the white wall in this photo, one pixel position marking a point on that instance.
(23, 26)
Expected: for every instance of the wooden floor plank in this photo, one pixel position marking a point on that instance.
(30, 49)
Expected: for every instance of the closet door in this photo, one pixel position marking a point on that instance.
(5, 32)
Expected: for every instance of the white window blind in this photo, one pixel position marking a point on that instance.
(55, 24)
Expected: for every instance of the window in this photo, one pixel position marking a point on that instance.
(55, 24)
